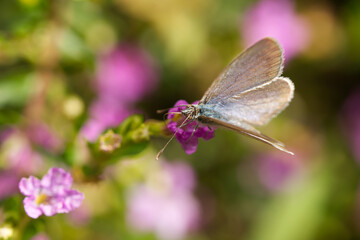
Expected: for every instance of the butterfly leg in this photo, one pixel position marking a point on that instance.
(193, 132)
(181, 125)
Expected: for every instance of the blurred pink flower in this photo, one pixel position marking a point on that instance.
(19, 155)
(6, 133)
(109, 113)
(170, 211)
(181, 176)
(103, 114)
(40, 236)
(41, 135)
(277, 170)
(126, 74)
(8, 183)
(80, 216)
(276, 19)
(351, 122)
(92, 129)
(23, 159)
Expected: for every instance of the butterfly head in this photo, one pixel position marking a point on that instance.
(191, 111)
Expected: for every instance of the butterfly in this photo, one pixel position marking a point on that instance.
(249, 92)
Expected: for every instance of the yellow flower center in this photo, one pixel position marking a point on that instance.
(177, 117)
(41, 198)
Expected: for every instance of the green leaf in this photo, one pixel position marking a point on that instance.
(15, 89)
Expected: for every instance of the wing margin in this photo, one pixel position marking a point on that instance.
(255, 66)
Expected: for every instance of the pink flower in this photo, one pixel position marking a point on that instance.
(41, 135)
(187, 135)
(351, 122)
(8, 183)
(167, 209)
(92, 129)
(80, 216)
(181, 176)
(50, 195)
(40, 236)
(103, 114)
(109, 113)
(19, 155)
(23, 159)
(6, 133)
(277, 19)
(277, 170)
(126, 74)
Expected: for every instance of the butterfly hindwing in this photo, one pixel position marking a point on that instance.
(249, 131)
(258, 105)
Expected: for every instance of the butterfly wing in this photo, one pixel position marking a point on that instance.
(255, 106)
(249, 92)
(249, 131)
(257, 65)
(258, 105)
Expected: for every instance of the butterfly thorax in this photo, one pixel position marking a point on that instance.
(191, 111)
(201, 112)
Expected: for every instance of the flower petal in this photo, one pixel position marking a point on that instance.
(72, 201)
(31, 209)
(57, 181)
(29, 186)
(204, 132)
(190, 146)
(49, 209)
(176, 108)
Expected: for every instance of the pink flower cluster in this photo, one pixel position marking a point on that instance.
(168, 209)
(50, 195)
(124, 75)
(188, 135)
(277, 19)
(278, 170)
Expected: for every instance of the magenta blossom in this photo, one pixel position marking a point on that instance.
(277, 19)
(126, 74)
(50, 195)
(40, 236)
(166, 206)
(92, 129)
(278, 170)
(8, 183)
(109, 113)
(42, 135)
(104, 114)
(350, 118)
(187, 135)
(23, 159)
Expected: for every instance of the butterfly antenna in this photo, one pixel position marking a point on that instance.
(167, 109)
(162, 150)
(162, 110)
(165, 116)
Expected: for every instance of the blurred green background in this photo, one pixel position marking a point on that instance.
(77, 67)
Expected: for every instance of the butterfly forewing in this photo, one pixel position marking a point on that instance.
(255, 66)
